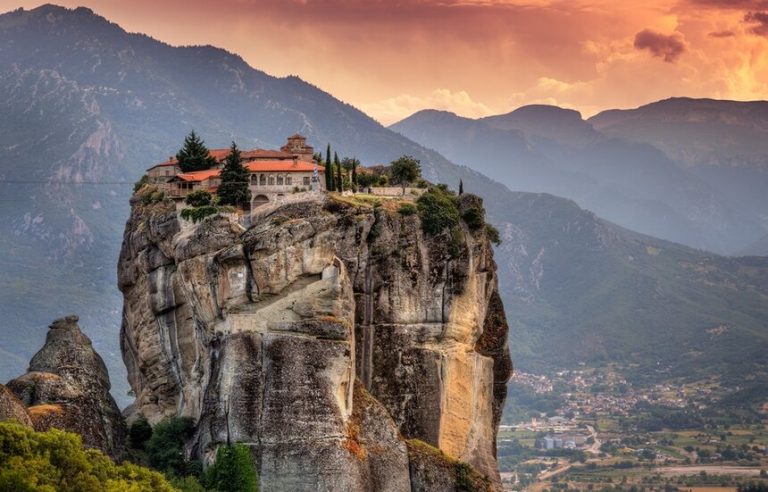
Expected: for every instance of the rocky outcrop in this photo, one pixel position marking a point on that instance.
(11, 408)
(260, 335)
(67, 387)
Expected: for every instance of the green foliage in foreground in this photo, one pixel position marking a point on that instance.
(139, 433)
(233, 470)
(165, 448)
(56, 461)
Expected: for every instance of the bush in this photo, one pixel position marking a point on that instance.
(140, 432)
(474, 219)
(165, 448)
(56, 460)
(493, 234)
(233, 470)
(438, 211)
(198, 213)
(140, 183)
(407, 209)
(199, 198)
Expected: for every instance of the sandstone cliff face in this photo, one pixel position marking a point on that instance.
(67, 387)
(260, 336)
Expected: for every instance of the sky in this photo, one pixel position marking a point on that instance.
(391, 58)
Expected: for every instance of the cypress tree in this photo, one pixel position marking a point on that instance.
(355, 162)
(194, 155)
(339, 181)
(461, 187)
(234, 180)
(328, 169)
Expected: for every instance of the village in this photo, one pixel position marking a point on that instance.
(592, 429)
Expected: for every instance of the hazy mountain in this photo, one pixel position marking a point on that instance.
(553, 150)
(86, 102)
(582, 289)
(723, 142)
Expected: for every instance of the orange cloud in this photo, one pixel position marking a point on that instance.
(475, 57)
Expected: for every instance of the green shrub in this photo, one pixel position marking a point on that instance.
(493, 234)
(187, 484)
(140, 183)
(56, 461)
(139, 433)
(199, 198)
(198, 213)
(233, 470)
(438, 211)
(165, 448)
(457, 241)
(407, 209)
(474, 219)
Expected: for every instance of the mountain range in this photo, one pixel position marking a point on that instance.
(624, 165)
(87, 107)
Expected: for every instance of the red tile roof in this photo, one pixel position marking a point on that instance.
(286, 166)
(198, 176)
(280, 166)
(220, 154)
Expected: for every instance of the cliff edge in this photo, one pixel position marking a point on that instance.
(324, 336)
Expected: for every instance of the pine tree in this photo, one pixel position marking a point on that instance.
(328, 169)
(194, 155)
(233, 189)
(461, 187)
(337, 164)
(355, 163)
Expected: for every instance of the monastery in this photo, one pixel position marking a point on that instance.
(273, 173)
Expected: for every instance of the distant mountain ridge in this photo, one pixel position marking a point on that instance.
(86, 102)
(628, 181)
(723, 142)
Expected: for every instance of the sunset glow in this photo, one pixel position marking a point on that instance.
(477, 57)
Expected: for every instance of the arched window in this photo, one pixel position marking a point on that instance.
(271, 180)
(254, 179)
(288, 180)
(262, 180)
(280, 180)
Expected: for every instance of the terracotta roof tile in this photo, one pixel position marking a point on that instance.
(286, 166)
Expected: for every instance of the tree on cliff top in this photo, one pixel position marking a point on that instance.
(405, 170)
(194, 155)
(328, 169)
(234, 180)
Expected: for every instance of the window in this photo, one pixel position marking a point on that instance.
(262, 180)
(280, 180)
(306, 181)
(254, 179)
(288, 180)
(271, 180)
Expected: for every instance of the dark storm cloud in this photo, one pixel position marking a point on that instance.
(669, 47)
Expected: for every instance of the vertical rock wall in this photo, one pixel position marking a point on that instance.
(261, 335)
